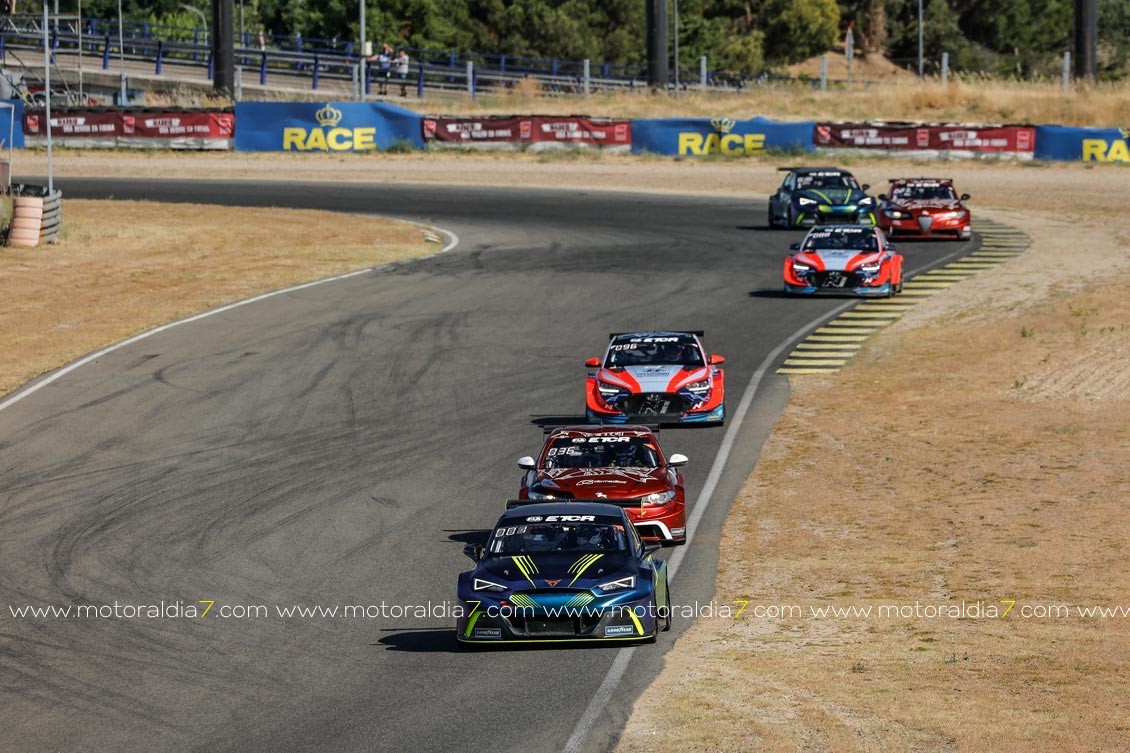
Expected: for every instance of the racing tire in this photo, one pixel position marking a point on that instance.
(772, 218)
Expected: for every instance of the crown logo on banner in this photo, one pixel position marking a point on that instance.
(328, 116)
(723, 125)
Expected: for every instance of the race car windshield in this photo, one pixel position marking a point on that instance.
(828, 180)
(601, 452)
(918, 192)
(654, 351)
(534, 538)
(850, 239)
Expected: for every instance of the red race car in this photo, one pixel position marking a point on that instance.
(655, 377)
(620, 465)
(925, 208)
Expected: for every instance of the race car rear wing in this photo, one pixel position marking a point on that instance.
(699, 332)
(655, 428)
(512, 504)
(922, 179)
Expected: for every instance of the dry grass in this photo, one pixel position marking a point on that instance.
(124, 267)
(969, 100)
(989, 463)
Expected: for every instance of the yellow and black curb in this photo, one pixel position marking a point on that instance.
(833, 344)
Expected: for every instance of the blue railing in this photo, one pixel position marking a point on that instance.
(315, 60)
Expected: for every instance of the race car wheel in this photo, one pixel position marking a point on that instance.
(772, 218)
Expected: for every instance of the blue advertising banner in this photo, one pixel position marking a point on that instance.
(1082, 144)
(324, 127)
(701, 136)
(16, 113)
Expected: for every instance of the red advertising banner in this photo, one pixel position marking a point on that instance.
(158, 128)
(533, 130)
(933, 137)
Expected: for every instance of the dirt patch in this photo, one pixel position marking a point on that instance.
(972, 459)
(124, 267)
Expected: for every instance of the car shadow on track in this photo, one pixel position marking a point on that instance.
(468, 535)
(549, 422)
(442, 641)
(765, 228)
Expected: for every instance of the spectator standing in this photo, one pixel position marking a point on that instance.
(383, 60)
(402, 70)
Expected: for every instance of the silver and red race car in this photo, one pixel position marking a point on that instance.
(653, 378)
(844, 260)
(620, 465)
(925, 208)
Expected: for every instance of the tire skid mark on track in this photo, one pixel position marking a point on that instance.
(831, 347)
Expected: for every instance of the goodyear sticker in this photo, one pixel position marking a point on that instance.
(619, 630)
(488, 632)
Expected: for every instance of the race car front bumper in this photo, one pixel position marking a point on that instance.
(866, 291)
(656, 408)
(505, 621)
(928, 227)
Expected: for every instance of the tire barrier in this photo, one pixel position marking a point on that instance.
(35, 218)
(52, 219)
(27, 221)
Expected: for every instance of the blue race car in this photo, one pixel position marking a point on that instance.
(820, 195)
(563, 571)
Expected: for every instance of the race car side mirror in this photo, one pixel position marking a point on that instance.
(794, 247)
(592, 363)
(882, 197)
(652, 547)
(474, 551)
(866, 186)
(526, 463)
(676, 460)
(966, 197)
(716, 360)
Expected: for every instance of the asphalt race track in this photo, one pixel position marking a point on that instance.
(338, 445)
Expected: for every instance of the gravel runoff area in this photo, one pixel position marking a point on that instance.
(974, 453)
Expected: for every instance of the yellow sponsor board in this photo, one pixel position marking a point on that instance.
(1101, 150)
(721, 143)
(329, 139)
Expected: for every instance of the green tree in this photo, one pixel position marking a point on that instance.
(796, 30)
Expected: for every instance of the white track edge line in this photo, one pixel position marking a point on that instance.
(20, 394)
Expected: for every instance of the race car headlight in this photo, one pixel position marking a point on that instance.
(486, 585)
(897, 214)
(866, 201)
(608, 390)
(659, 498)
(805, 202)
(539, 495)
(618, 585)
(801, 268)
(871, 268)
(699, 388)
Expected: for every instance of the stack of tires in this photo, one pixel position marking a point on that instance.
(27, 221)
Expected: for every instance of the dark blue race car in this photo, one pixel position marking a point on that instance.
(820, 195)
(563, 572)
